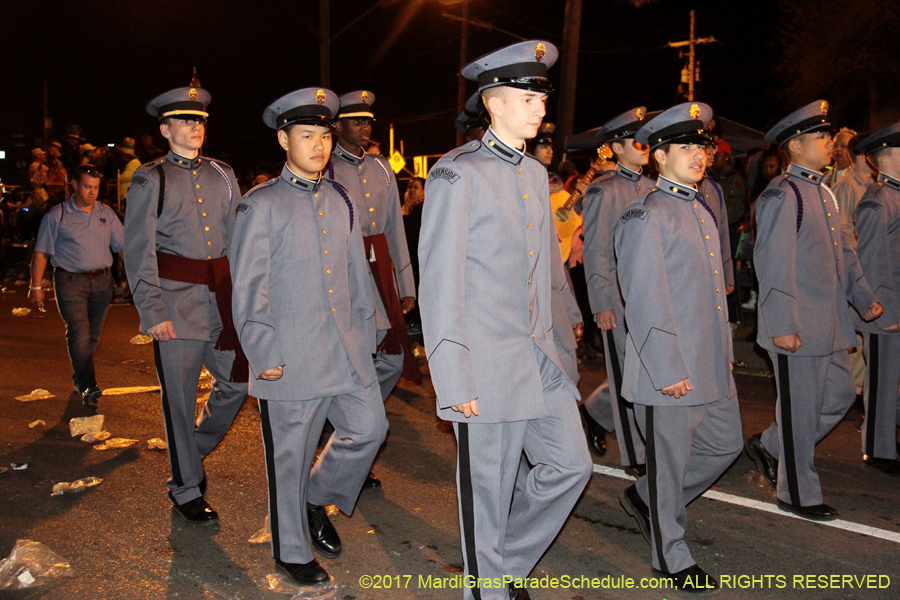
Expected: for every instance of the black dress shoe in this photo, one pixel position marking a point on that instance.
(371, 481)
(634, 506)
(195, 511)
(517, 593)
(306, 574)
(819, 512)
(765, 462)
(636, 471)
(91, 396)
(692, 580)
(596, 435)
(324, 536)
(885, 465)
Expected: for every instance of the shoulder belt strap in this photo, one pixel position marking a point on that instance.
(162, 188)
(799, 203)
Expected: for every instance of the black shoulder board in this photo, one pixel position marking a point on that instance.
(640, 213)
(138, 180)
(243, 207)
(873, 204)
(443, 173)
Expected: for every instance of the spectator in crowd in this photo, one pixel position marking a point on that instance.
(130, 164)
(148, 150)
(373, 147)
(842, 160)
(57, 177)
(851, 186)
(413, 202)
(87, 153)
(76, 237)
(72, 151)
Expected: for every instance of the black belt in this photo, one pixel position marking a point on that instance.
(88, 273)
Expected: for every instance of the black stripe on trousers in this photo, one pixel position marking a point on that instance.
(167, 417)
(872, 404)
(623, 408)
(270, 471)
(654, 492)
(467, 501)
(787, 430)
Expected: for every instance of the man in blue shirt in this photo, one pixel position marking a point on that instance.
(76, 237)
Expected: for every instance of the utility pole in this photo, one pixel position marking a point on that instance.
(48, 125)
(691, 73)
(463, 60)
(325, 43)
(565, 115)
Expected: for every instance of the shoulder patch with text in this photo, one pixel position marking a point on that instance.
(868, 204)
(243, 207)
(631, 213)
(444, 173)
(138, 179)
(772, 193)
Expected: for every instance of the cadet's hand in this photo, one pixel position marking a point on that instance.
(892, 328)
(791, 342)
(36, 295)
(408, 304)
(606, 320)
(273, 374)
(163, 332)
(874, 312)
(678, 390)
(578, 330)
(468, 409)
(728, 289)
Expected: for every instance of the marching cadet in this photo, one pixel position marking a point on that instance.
(303, 305)
(541, 148)
(486, 305)
(471, 121)
(878, 228)
(177, 228)
(807, 275)
(678, 350)
(603, 203)
(376, 199)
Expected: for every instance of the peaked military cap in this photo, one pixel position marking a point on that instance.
(310, 106)
(682, 124)
(180, 102)
(545, 134)
(357, 104)
(887, 137)
(523, 65)
(809, 119)
(622, 127)
(472, 115)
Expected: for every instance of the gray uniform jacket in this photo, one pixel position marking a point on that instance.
(486, 249)
(671, 277)
(566, 315)
(715, 199)
(302, 297)
(604, 201)
(195, 222)
(878, 227)
(807, 270)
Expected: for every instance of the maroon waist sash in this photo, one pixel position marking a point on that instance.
(395, 340)
(215, 274)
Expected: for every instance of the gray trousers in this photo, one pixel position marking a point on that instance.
(814, 394)
(388, 368)
(688, 448)
(502, 535)
(178, 364)
(607, 406)
(290, 432)
(882, 396)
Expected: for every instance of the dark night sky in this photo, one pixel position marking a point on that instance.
(104, 59)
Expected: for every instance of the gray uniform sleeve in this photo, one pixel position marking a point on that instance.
(116, 232)
(443, 244)
(648, 307)
(775, 257)
(873, 248)
(249, 257)
(396, 240)
(140, 250)
(725, 245)
(859, 293)
(560, 283)
(599, 257)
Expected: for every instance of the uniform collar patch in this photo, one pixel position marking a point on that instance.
(345, 155)
(678, 190)
(301, 183)
(501, 149)
(184, 162)
(889, 181)
(627, 173)
(805, 174)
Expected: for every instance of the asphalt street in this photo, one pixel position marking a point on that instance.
(123, 541)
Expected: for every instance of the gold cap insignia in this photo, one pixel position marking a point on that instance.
(824, 108)
(365, 96)
(539, 52)
(639, 114)
(192, 94)
(695, 111)
(320, 96)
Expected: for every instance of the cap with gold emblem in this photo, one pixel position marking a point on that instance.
(682, 124)
(523, 65)
(622, 127)
(184, 102)
(310, 106)
(811, 118)
(887, 137)
(356, 105)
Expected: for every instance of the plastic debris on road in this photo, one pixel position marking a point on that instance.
(38, 394)
(137, 389)
(21, 312)
(115, 443)
(37, 423)
(64, 487)
(18, 466)
(92, 438)
(141, 340)
(157, 444)
(82, 425)
(31, 564)
(280, 584)
(263, 535)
